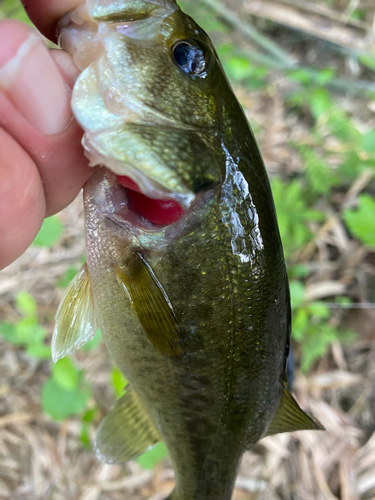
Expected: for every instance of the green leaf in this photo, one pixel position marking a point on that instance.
(8, 331)
(319, 309)
(361, 222)
(29, 332)
(317, 341)
(344, 128)
(318, 172)
(224, 49)
(61, 403)
(87, 419)
(26, 304)
(39, 351)
(351, 166)
(65, 374)
(300, 75)
(238, 68)
(208, 20)
(359, 14)
(368, 141)
(292, 214)
(26, 332)
(368, 60)
(67, 278)
(119, 382)
(49, 233)
(344, 301)
(90, 415)
(321, 103)
(325, 76)
(299, 271)
(85, 436)
(309, 78)
(300, 324)
(316, 344)
(297, 293)
(152, 457)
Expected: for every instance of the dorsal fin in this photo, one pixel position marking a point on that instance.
(125, 432)
(289, 416)
(152, 306)
(75, 322)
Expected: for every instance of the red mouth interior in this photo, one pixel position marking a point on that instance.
(161, 212)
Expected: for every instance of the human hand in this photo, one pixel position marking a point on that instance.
(42, 164)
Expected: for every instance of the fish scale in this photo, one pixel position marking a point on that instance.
(195, 313)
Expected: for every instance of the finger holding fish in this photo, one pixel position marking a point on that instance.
(45, 14)
(43, 166)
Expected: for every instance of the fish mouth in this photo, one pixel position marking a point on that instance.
(135, 211)
(148, 211)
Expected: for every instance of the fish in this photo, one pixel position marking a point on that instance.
(185, 273)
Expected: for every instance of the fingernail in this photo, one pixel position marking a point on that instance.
(32, 81)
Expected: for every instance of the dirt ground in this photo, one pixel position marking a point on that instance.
(43, 460)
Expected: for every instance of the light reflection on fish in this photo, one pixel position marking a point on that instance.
(185, 272)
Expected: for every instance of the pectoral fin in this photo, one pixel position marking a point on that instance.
(75, 319)
(125, 432)
(289, 416)
(152, 306)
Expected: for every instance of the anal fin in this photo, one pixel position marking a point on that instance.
(125, 432)
(75, 322)
(289, 416)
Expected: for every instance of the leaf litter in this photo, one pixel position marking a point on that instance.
(41, 459)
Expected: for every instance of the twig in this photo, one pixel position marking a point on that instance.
(341, 84)
(359, 305)
(324, 10)
(250, 32)
(282, 60)
(317, 25)
(16, 418)
(353, 5)
(262, 59)
(359, 185)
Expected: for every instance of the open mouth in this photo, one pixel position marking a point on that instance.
(120, 199)
(143, 211)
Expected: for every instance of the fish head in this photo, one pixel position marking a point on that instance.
(150, 97)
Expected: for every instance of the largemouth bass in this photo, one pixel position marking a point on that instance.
(185, 273)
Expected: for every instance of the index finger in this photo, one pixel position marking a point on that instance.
(45, 14)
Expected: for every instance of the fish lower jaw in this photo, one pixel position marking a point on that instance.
(130, 220)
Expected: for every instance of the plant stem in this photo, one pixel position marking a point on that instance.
(281, 59)
(342, 84)
(248, 30)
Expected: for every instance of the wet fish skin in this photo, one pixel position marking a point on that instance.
(196, 314)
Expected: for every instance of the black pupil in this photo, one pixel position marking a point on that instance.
(189, 58)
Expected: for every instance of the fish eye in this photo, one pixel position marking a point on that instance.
(190, 58)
